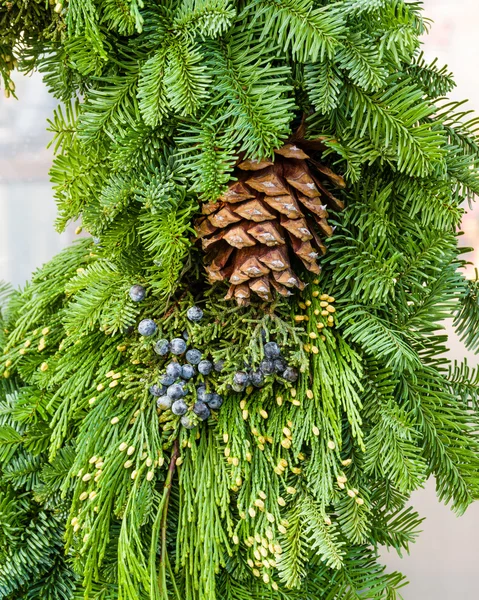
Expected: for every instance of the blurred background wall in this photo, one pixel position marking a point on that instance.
(443, 564)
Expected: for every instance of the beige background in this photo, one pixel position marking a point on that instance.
(444, 562)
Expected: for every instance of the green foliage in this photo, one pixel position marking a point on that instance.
(287, 491)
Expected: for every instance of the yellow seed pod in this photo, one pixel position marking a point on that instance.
(299, 318)
(323, 304)
(262, 495)
(283, 462)
(92, 495)
(243, 404)
(257, 537)
(99, 464)
(287, 431)
(115, 420)
(324, 297)
(279, 400)
(8, 363)
(239, 481)
(179, 461)
(235, 461)
(134, 474)
(45, 330)
(263, 413)
(342, 479)
(269, 535)
(317, 311)
(93, 460)
(314, 349)
(76, 527)
(113, 384)
(85, 538)
(359, 501)
(331, 299)
(123, 446)
(100, 387)
(286, 443)
(256, 573)
(291, 490)
(296, 470)
(331, 309)
(270, 517)
(315, 294)
(281, 501)
(331, 445)
(226, 437)
(116, 376)
(235, 539)
(282, 529)
(296, 403)
(351, 493)
(275, 586)
(259, 504)
(307, 347)
(131, 450)
(161, 461)
(121, 347)
(44, 367)
(263, 552)
(248, 456)
(83, 496)
(79, 229)
(128, 464)
(309, 394)
(302, 305)
(250, 562)
(313, 335)
(308, 302)
(293, 392)
(86, 477)
(245, 414)
(330, 319)
(251, 512)
(227, 452)
(346, 462)
(278, 470)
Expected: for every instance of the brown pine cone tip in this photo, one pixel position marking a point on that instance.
(272, 210)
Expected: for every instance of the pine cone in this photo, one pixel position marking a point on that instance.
(274, 210)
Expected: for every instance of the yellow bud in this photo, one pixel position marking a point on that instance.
(299, 318)
(225, 438)
(45, 330)
(83, 496)
(8, 363)
(320, 326)
(245, 414)
(286, 443)
(331, 309)
(323, 304)
(331, 299)
(92, 495)
(78, 230)
(248, 456)
(351, 493)
(243, 404)
(256, 573)
(291, 490)
(346, 462)
(331, 445)
(179, 461)
(296, 470)
(315, 294)
(309, 394)
(250, 562)
(123, 446)
(359, 501)
(302, 305)
(235, 539)
(270, 517)
(115, 420)
(93, 460)
(74, 521)
(86, 477)
(134, 474)
(308, 302)
(263, 413)
(239, 481)
(282, 529)
(58, 8)
(281, 501)
(287, 431)
(76, 527)
(317, 311)
(130, 450)
(100, 387)
(22, 351)
(327, 520)
(235, 461)
(85, 538)
(128, 464)
(259, 503)
(251, 512)
(342, 479)
(263, 552)
(312, 335)
(99, 464)
(121, 348)
(279, 400)
(44, 367)
(275, 586)
(307, 347)
(113, 384)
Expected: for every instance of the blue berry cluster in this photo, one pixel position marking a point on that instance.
(272, 364)
(176, 390)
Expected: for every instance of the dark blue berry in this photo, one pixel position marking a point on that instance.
(157, 390)
(267, 366)
(162, 347)
(185, 335)
(137, 293)
(178, 346)
(202, 394)
(147, 327)
(272, 350)
(173, 369)
(215, 401)
(179, 408)
(205, 367)
(218, 366)
(187, 371)
(187, 422)
(175, 391)
(280, 365)
(290, 374)
(257, 378)
(194, 314)
(167, 380)
(164, 402)
(193, 356)
(201, 410)
(241, 378)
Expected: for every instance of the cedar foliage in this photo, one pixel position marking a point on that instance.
(289, 490)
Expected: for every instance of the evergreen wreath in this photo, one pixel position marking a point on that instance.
(160, 442)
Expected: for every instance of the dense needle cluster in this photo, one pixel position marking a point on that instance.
(178, 119)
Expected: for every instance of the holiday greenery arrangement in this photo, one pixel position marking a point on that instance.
(231, 389)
